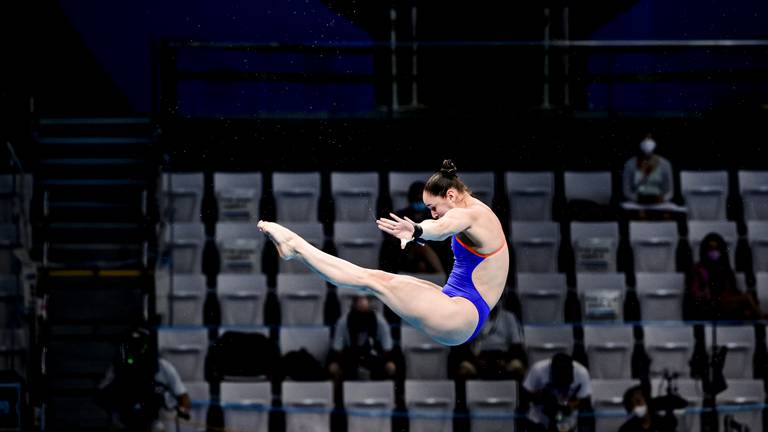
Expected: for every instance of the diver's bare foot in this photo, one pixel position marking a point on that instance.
(281, 237)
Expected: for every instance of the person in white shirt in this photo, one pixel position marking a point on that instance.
(362, 344)
(647, 177)
(557, 388)
(175, 392)
(496, 353)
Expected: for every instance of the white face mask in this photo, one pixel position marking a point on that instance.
(640, 411)
(647, 146)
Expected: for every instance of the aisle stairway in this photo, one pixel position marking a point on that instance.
(93, 233)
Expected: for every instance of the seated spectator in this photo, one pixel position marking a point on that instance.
(430, 258)
(417, 211)
(557, 389)
(642, 418)
(648, 185)
(647, 177)
(496, 353)
(711, 291)
(362, 345)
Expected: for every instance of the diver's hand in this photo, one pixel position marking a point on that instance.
(398, 227)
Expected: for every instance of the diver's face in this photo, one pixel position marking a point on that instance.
(437, 205)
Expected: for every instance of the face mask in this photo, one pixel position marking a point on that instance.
(648, 146)
(640, 411)
(713, 255)
(419, 206)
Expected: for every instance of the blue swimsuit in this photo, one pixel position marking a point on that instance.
(460, 281)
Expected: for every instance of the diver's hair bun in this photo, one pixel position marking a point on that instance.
(448, 170)
(446, 178)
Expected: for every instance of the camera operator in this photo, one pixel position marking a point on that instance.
(139, 384)
(557, 389)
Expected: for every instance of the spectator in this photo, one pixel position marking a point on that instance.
(362, 345)
(496, 353)
(642, 419)
(647, 177)
(139, 385)
(711, 292)
(557, 390)
(431, 258)
(417, 211)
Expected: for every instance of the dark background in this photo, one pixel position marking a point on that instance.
(481, 105)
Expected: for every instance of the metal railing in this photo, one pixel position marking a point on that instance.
(569, 69)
